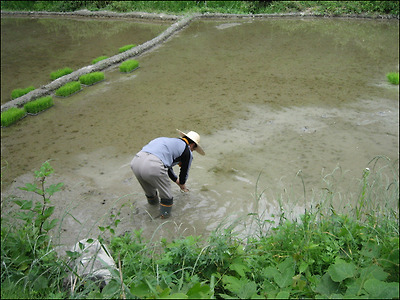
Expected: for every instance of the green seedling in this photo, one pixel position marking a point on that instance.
(39, 105)
(128, 65)
(96, 60)
(20, 92)
(126, 48)
(91, 78)
(12, 115)
(393, 77)
(59, 73)
(68, 89)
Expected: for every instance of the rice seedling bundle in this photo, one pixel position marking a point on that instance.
(68, 89)
(59, 73)
(126, 48)
(96, 60)
(128, 65)
(39, 105)
(91, 78)
(20, 92)
(393, 77)
(12, 115)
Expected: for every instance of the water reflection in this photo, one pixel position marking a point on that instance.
(283, 107)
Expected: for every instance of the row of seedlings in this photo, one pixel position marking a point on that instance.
(14, 114)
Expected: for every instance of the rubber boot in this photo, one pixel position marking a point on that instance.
(165, 208)
(153, 200)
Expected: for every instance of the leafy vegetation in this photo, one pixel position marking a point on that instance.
(126, 48)
(128, 65)
(91, 78)
(20, 92)
(393, 77)
(12, 115)
(96, 60)
(236, 7)
(322, 254)
(68, 89)
(39, 105)
(59, 73)
(29, 264)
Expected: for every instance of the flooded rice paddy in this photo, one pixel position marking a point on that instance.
(286, 108)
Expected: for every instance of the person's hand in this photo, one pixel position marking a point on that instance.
(182, 186)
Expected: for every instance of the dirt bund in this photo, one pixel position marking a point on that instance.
(182, 21)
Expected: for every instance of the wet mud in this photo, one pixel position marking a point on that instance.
(292, 109)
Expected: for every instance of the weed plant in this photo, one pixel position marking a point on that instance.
(59, 73)
(91, 78)
(20, 92)
(12, 115)
(36, 106)
(126, 48)
(393, 77)
(96, 60)
(68, 89)
(128, 65)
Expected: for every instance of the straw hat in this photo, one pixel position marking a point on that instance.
(195, 137)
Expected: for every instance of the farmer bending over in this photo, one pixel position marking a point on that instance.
(153, 165)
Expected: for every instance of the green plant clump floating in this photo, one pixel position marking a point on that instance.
(20, 92)
(129, 65)
(39, 105)
(68, 89)
(59, 73)
(126, 48)
(96, 60)
(91, 78)
(393, 77)
(12, 115)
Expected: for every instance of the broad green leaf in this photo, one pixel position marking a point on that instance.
(48, 211)
(73, 254)
(373, 271)
(30, 187)
(26, 205)
(141, 290)
(198, 291)
(232, 283)
(54, 188)
(303, 266)
(382, 290)
(283, 295)
(50, 225)
(341, 270)
(327, 286)
(240, 268)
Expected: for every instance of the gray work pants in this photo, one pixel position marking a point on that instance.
(152, 175)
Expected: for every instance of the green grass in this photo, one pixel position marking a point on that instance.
(20, 92)
(12, 115)
(39, 105)
(68, 89)
(96, 60)
(59, 73)
(128, 65)
(91, 78)
(126, 48)
(393, 77)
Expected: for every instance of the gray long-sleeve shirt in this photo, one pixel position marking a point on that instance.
(172, 151)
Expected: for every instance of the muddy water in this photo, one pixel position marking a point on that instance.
(286, 108)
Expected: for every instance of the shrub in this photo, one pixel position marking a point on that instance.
(393, 77)
(68, 89)
(129, 65)
(20, 92)
(126, 48)
(96, 60)
(91, 78)
(59, 73)
(12, 115)
(39, 105)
